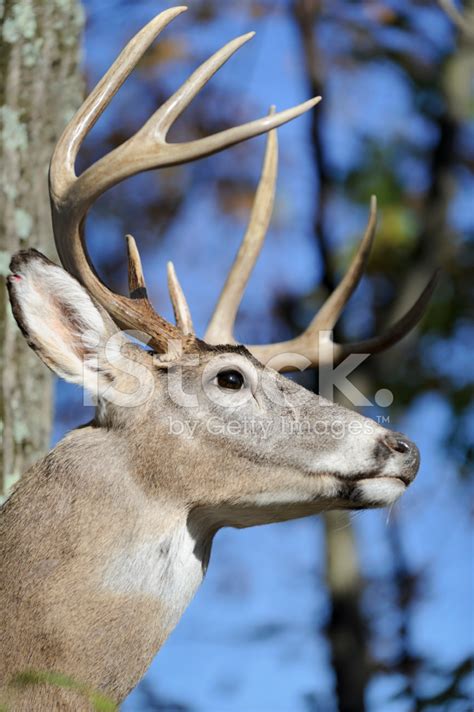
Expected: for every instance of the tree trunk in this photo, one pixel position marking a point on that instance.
(40, 87)
(346, 629)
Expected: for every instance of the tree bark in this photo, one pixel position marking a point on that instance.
(40, 87)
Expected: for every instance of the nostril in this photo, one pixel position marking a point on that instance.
(401, 446)
(397, 444)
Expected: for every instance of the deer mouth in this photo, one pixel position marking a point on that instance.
(397, 459)
(404, 479)
(381, 485)
(374, 489)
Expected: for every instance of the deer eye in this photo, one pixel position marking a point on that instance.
(230, 379)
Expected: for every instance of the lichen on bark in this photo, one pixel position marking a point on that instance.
(40, 85)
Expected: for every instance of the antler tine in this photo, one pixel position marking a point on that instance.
(221, 326)
(71, 197)
(136, 280)
(316, 345)
(397, 331)
(224, 139)
(145, 317)
(166, 115)
(137, 288)
(328, 315)
(62, 170)
(181, 309)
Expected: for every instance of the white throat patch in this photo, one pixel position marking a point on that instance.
(166, 569)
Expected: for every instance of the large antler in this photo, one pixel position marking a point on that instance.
(72, 196)
(315, 344)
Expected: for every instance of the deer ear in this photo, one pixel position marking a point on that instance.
(60, 321)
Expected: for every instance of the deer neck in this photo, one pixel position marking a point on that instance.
(105, 570)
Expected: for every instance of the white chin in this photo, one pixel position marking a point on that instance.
(381, 492)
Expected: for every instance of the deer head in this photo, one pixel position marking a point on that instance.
(197, 434)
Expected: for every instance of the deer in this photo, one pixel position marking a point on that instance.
(104, 541)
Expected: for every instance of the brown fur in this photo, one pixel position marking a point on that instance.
(104, 542)
(58, 528)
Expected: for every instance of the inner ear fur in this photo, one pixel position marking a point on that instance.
(56, 315)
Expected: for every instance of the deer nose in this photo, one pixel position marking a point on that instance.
(400, 447)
